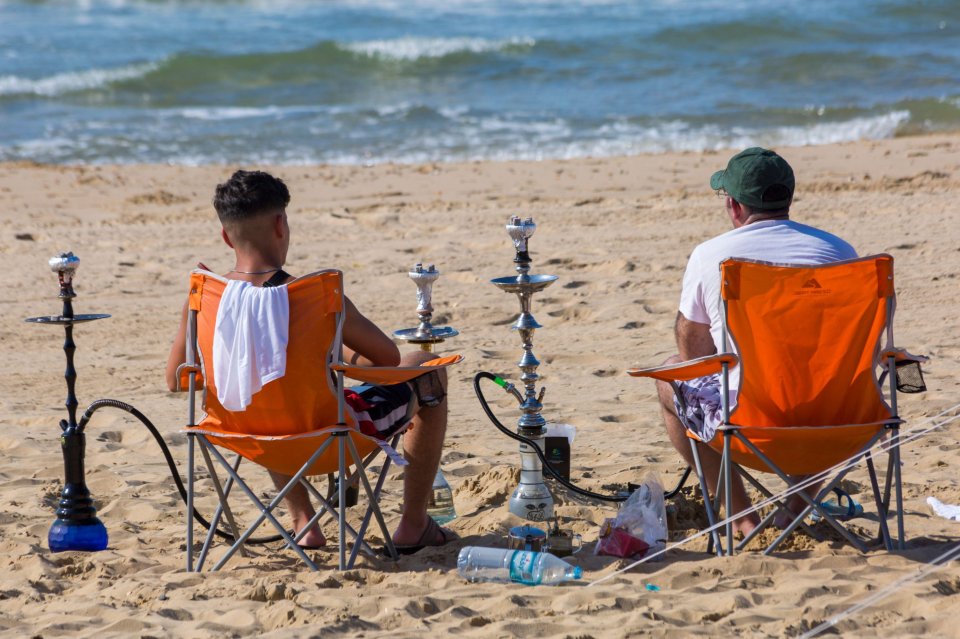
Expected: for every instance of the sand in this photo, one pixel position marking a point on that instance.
(616, 231)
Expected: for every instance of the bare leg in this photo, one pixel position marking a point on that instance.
(422, 446)
(301, 511)
(796, 503)
(709, 458)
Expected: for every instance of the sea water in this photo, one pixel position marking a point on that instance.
(371, 81)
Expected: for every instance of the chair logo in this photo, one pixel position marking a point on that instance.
(812, 287)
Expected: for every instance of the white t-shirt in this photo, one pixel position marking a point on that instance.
(780, 241)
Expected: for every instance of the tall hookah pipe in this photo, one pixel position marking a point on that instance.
(77, 526)
(532, 499)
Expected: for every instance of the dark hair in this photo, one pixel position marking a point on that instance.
(248, 194)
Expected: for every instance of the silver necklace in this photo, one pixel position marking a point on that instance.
(273, 270)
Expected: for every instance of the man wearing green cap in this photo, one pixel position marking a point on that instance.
(757, 189)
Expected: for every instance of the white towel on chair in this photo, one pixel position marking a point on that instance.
(249, 341)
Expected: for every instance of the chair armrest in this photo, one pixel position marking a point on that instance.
(901, 355)
(183, 377)
(684, 371)
(393, 374)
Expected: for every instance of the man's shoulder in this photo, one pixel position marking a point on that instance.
(814, 231)
(766, 240)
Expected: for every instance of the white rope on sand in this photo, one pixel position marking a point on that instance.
(933, 566)
(906, 436)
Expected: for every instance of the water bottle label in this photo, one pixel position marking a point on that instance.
(522, 565)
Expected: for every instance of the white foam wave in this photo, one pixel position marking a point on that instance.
(863, 128)
(229, 113)
(499, 139)
(468, 136)
(72, 81)
(412, 48)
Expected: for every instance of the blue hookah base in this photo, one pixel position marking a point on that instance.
(89, 535)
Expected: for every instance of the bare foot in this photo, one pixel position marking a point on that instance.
(424, 533)
(795, 505)
(744, 526)
(313, 538)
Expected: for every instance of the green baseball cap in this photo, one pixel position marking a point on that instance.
(751, 177)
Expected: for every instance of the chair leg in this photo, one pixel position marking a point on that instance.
(881, 510)
(766, 520)
(266, 512)
(190, 446)
(707, 505)
(727, 492)
(388, 539)
(377, 490)
(223, 507)
(326, 507)
(898, 487)
(342, 485)
(365, 523)
(812, 502)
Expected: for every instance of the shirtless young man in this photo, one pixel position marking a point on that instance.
(757, 189)
(252, 206)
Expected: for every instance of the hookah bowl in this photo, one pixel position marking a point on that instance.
(77, 526)
(425, 334)
(440, 507)
(532, 499)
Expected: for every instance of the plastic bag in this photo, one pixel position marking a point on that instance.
(641, 524)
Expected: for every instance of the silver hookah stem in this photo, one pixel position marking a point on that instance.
(531, 420)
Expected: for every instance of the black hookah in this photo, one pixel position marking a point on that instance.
(77, 526)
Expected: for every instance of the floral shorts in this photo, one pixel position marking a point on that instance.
(703, 412)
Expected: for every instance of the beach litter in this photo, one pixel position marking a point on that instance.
(641, 523)
(947, 511)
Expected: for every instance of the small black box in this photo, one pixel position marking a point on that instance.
(557, 452)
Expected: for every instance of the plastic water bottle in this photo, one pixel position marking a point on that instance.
(441, 508)
(522, 566)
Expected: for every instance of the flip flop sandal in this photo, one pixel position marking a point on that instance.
(429, 533)
(837, 510)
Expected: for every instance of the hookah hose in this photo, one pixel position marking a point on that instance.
(174, 472)
(543, 460)
(529, 442)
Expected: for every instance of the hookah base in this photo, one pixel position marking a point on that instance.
(89, 535)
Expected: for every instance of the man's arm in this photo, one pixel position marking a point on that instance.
(693, 338)
(364, 343)
(178, 351)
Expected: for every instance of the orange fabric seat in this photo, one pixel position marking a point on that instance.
(809, 339)
(291, 421)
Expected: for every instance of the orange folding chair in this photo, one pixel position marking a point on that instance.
(296, 425)
(809, 341)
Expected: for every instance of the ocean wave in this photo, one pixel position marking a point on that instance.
(73, 81)
(455, 135)
(413, 48)
(861, 128)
